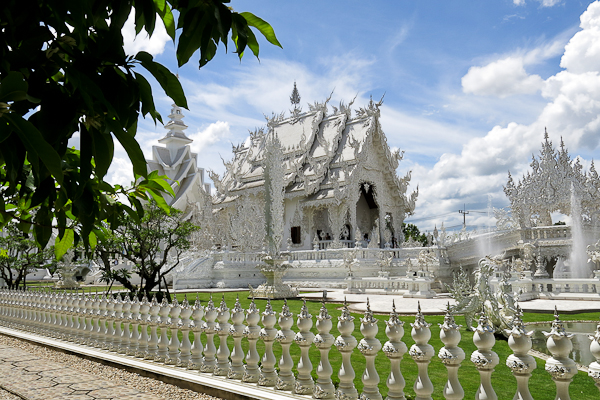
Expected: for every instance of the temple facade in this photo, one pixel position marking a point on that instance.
(338, 178)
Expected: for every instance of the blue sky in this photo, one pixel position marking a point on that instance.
(469, 87)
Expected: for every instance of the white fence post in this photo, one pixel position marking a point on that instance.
(222, 367)
(153, 321)
(421, 352)
(394, 350)
(268, 375)
(484, 358)
(163, 342)
(126, 320)
(185, 355)
(210, 315)
(285, 337)
(324, 388)
(369, 346)
(172, 357)
(451, 355)
(251, 332)
(197, 314)
(345, 344)
(236, 370)
(134, 318)
(520, 363)
(142, 340)
(560, 366)
(304, 338)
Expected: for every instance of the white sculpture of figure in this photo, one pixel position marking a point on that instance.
(67, 271)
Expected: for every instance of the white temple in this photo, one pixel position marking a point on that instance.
(339, 182)
(335, 203)
(176, 160)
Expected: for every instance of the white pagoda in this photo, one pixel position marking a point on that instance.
(177, 161)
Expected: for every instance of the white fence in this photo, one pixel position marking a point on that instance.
(122, 326)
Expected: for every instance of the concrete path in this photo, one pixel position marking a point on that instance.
(34, 378)
(383, 303)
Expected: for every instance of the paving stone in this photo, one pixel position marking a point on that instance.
(30, 385)
(59, 372)
(46, 366)
(93, 385)
(113, 392)
(73, 396)
(74, 378)
(45, 393)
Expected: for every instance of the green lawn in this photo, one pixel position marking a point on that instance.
(541, 384)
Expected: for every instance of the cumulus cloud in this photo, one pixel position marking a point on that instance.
(209, 136)
(572, 112)
(501, 78)
(582, 53)
(133, 44)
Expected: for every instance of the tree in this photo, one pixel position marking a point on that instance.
(154, 244)
(63, 71)
(19, 255)
(411, 231)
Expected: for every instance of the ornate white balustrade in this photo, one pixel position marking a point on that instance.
(121, 326)
(529, 287)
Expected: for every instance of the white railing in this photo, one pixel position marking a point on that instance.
(414, 284)
(321, 254)
(122, 326)
(529, 287)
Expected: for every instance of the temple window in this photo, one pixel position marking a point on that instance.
(296, 235)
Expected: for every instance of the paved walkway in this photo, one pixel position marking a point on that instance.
(383, 303)
(35, 378)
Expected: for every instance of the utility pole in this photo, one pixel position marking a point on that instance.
(464, 212)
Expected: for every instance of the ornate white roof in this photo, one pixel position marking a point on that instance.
(323, 153)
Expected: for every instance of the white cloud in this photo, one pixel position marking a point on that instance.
(501, 78)
(120, 172)
(133, 44)
(572, 112)
(582, 53)
(209, 136)
(549, 3)
(519, 2)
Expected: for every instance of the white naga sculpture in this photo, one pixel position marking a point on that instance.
(500, 308)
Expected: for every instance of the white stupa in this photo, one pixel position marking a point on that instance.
(176, 160)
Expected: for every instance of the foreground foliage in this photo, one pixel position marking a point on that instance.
(64, 75)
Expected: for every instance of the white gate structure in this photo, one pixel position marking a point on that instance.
(121, 326)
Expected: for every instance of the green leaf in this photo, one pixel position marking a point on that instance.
(131, 146)
(62, 245)
(103, 150)
(13, 87)
(263, 27)
(164, 12)
(169, 82)
(147, 100)
(161, 180)
(159, 199)
(36, 144)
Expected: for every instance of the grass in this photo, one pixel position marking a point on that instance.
(503, 381)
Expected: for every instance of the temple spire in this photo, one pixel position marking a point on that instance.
(295, 97)
(175, 136)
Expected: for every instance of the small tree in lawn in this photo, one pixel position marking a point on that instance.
(154, 245)
(19, 255)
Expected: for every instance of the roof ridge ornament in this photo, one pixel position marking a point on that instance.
(295, 97)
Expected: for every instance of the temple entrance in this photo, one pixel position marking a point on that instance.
(367, 210)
